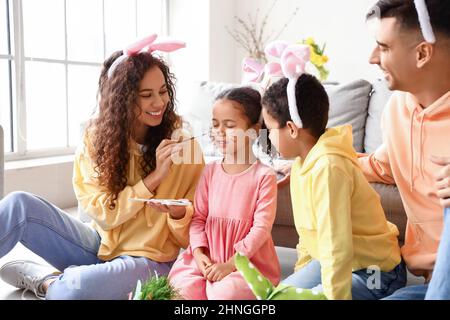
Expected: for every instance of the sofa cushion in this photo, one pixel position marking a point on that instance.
(284, 232)
(348, 105)
(393, 206)
(378, 99)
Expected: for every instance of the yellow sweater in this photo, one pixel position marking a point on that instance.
(133, 228)
(338, 216)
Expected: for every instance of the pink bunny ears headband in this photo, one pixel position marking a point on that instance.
(146, 44)
(292, 64)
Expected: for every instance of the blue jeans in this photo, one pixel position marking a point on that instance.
(310, 277)
(71, 247)
(439, 286)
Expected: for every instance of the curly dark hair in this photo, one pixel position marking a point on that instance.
(312, 102)
(109, 134)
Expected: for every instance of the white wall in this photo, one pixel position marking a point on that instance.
(222, 46)
(214, 56)
(189, 22)
(210, 50)
(50, 181)
(341, 24)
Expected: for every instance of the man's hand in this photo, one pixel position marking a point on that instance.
(443, 179)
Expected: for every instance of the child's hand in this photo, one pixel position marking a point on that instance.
(218, 271)
(202, 260)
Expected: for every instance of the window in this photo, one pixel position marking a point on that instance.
(60, 47)
(6, 76)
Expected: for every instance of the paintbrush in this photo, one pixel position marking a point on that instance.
(192, 138)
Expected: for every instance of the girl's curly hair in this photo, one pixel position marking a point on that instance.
(110, 132)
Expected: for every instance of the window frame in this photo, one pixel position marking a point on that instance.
(9, 58)
(18, 115)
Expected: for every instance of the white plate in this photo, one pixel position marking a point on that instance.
(167, 202)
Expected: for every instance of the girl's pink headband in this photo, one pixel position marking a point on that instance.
(146, 45)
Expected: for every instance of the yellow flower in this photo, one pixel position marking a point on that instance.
(317, 57)
(310, 41)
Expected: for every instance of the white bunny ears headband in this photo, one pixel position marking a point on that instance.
(423, 15)
(292, 64)
(146, 44)
(424, 21)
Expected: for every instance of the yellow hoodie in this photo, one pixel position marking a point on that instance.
(338, 216)
(133, 228)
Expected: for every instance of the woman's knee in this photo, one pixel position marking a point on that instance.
(15, 205)
(19, 197)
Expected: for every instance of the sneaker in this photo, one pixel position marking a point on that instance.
(27, 275)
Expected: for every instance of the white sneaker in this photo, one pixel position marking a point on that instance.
(27, 275)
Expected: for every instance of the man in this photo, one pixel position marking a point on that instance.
(413, 51)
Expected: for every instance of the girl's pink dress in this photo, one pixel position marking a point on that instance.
(233, 213)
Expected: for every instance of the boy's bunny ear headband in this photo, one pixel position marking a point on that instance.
(146, 44)
(293, 59)
(423, 15)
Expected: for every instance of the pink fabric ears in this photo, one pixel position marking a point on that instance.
(292, 64)
(294, 59)
(136, 47)
(253, 70)
(146, 45)
(275, 49)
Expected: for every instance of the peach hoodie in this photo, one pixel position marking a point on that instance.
(411, 134)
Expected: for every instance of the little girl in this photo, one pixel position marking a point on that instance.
(346, 246)
(235, 207)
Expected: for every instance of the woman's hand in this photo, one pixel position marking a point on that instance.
(202, 260)
(218, 271)
(175, 212)
(164, 154)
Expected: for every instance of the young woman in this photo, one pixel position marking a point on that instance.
(127, 153)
